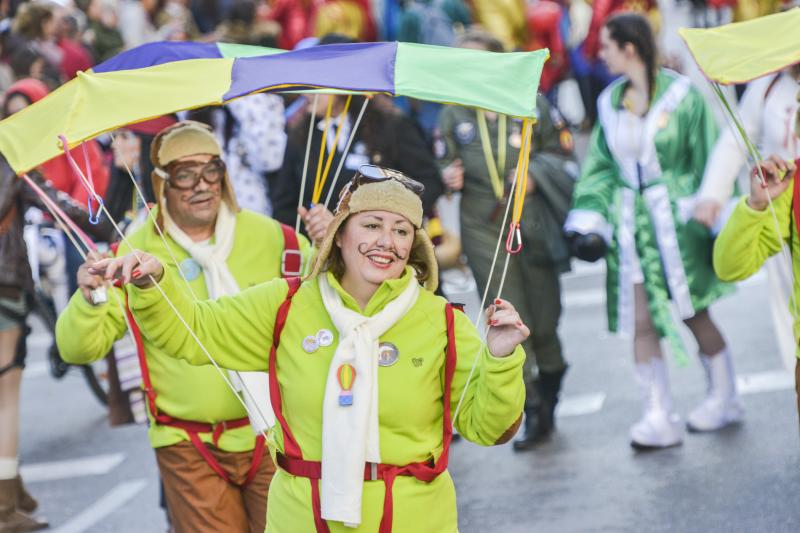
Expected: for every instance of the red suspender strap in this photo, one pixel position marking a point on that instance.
(292, 460)
(292, 258)
(290, 447)
(258, 457)
(191, 428)
(796, 199)
(424, 471)
(316, 504)
(206, 454)
(449, 372)
(137, 338)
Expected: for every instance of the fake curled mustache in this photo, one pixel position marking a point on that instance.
(364, 249)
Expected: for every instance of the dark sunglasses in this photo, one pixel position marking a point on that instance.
(373, 173)
(186, 175)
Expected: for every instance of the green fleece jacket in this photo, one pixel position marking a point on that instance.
(750, 237)
(238, 330)
(85, 333)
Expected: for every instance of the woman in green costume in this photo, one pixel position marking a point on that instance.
(366, 366)
(633, 204)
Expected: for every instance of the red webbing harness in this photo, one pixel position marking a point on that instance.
(292, 460)
(796, 198)
(291, 265)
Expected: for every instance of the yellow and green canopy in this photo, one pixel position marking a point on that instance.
(160, 78)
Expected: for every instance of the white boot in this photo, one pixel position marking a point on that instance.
(721, 405)
(659, 427)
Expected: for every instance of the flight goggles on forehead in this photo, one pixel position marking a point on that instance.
(372, 173)
(187, 174)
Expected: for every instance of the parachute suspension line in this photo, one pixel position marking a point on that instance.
(520, 190)
(335, 148)
(152, 217)
(311, 123)
(62, 218)
(754, 153)
(515, 187)
(346, 150)
(77, 241)
(182, 274)
(323, 144)
(187, 326)
(88, 184)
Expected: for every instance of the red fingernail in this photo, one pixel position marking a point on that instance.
(136, 274)
(493, 322)
(498, 301)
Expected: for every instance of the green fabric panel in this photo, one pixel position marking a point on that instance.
(95, 103)
(505, 83)
(232, 51)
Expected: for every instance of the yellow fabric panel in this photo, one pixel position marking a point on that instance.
(743, 51)
(83, 107)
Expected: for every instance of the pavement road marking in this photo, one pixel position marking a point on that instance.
(580, 404)
(35, 369)
(39, 340)
(584, 298)
(597, 296)
(771, 380)
(119, 496)
(87, 466)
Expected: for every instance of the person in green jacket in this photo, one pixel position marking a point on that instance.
(216, 472)
(752, 235)
(367, 368)
(532, 282)
(635, 196)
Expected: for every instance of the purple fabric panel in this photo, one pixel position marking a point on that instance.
(358, 67)
(151, 54)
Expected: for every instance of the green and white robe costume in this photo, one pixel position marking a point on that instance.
(642, 206)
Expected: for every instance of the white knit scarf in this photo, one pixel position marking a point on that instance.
(213, 259)
(350, 435)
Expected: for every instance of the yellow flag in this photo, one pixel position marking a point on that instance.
(744, 51)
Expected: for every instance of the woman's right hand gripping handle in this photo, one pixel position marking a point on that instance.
(777, 175)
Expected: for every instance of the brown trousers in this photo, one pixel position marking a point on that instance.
(200, 501)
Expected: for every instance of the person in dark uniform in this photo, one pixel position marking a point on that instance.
(385, 137)
(532, 283)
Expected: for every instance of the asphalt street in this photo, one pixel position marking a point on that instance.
(91, 478)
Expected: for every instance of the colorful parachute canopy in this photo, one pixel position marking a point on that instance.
(160, 78)
(744, 51)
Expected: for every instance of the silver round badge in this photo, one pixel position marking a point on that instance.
(310, 344)
(325, 337)
(190, 268)
(387, 354)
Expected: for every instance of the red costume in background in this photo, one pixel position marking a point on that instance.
(601, 10)
(58, 169)
(544, 29)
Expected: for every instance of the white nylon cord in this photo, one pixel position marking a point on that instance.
(311, 123)
(346, 151)
(485, 332)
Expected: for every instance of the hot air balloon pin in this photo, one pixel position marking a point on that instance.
(347, 376)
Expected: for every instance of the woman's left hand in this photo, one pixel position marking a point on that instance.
(506, 330)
